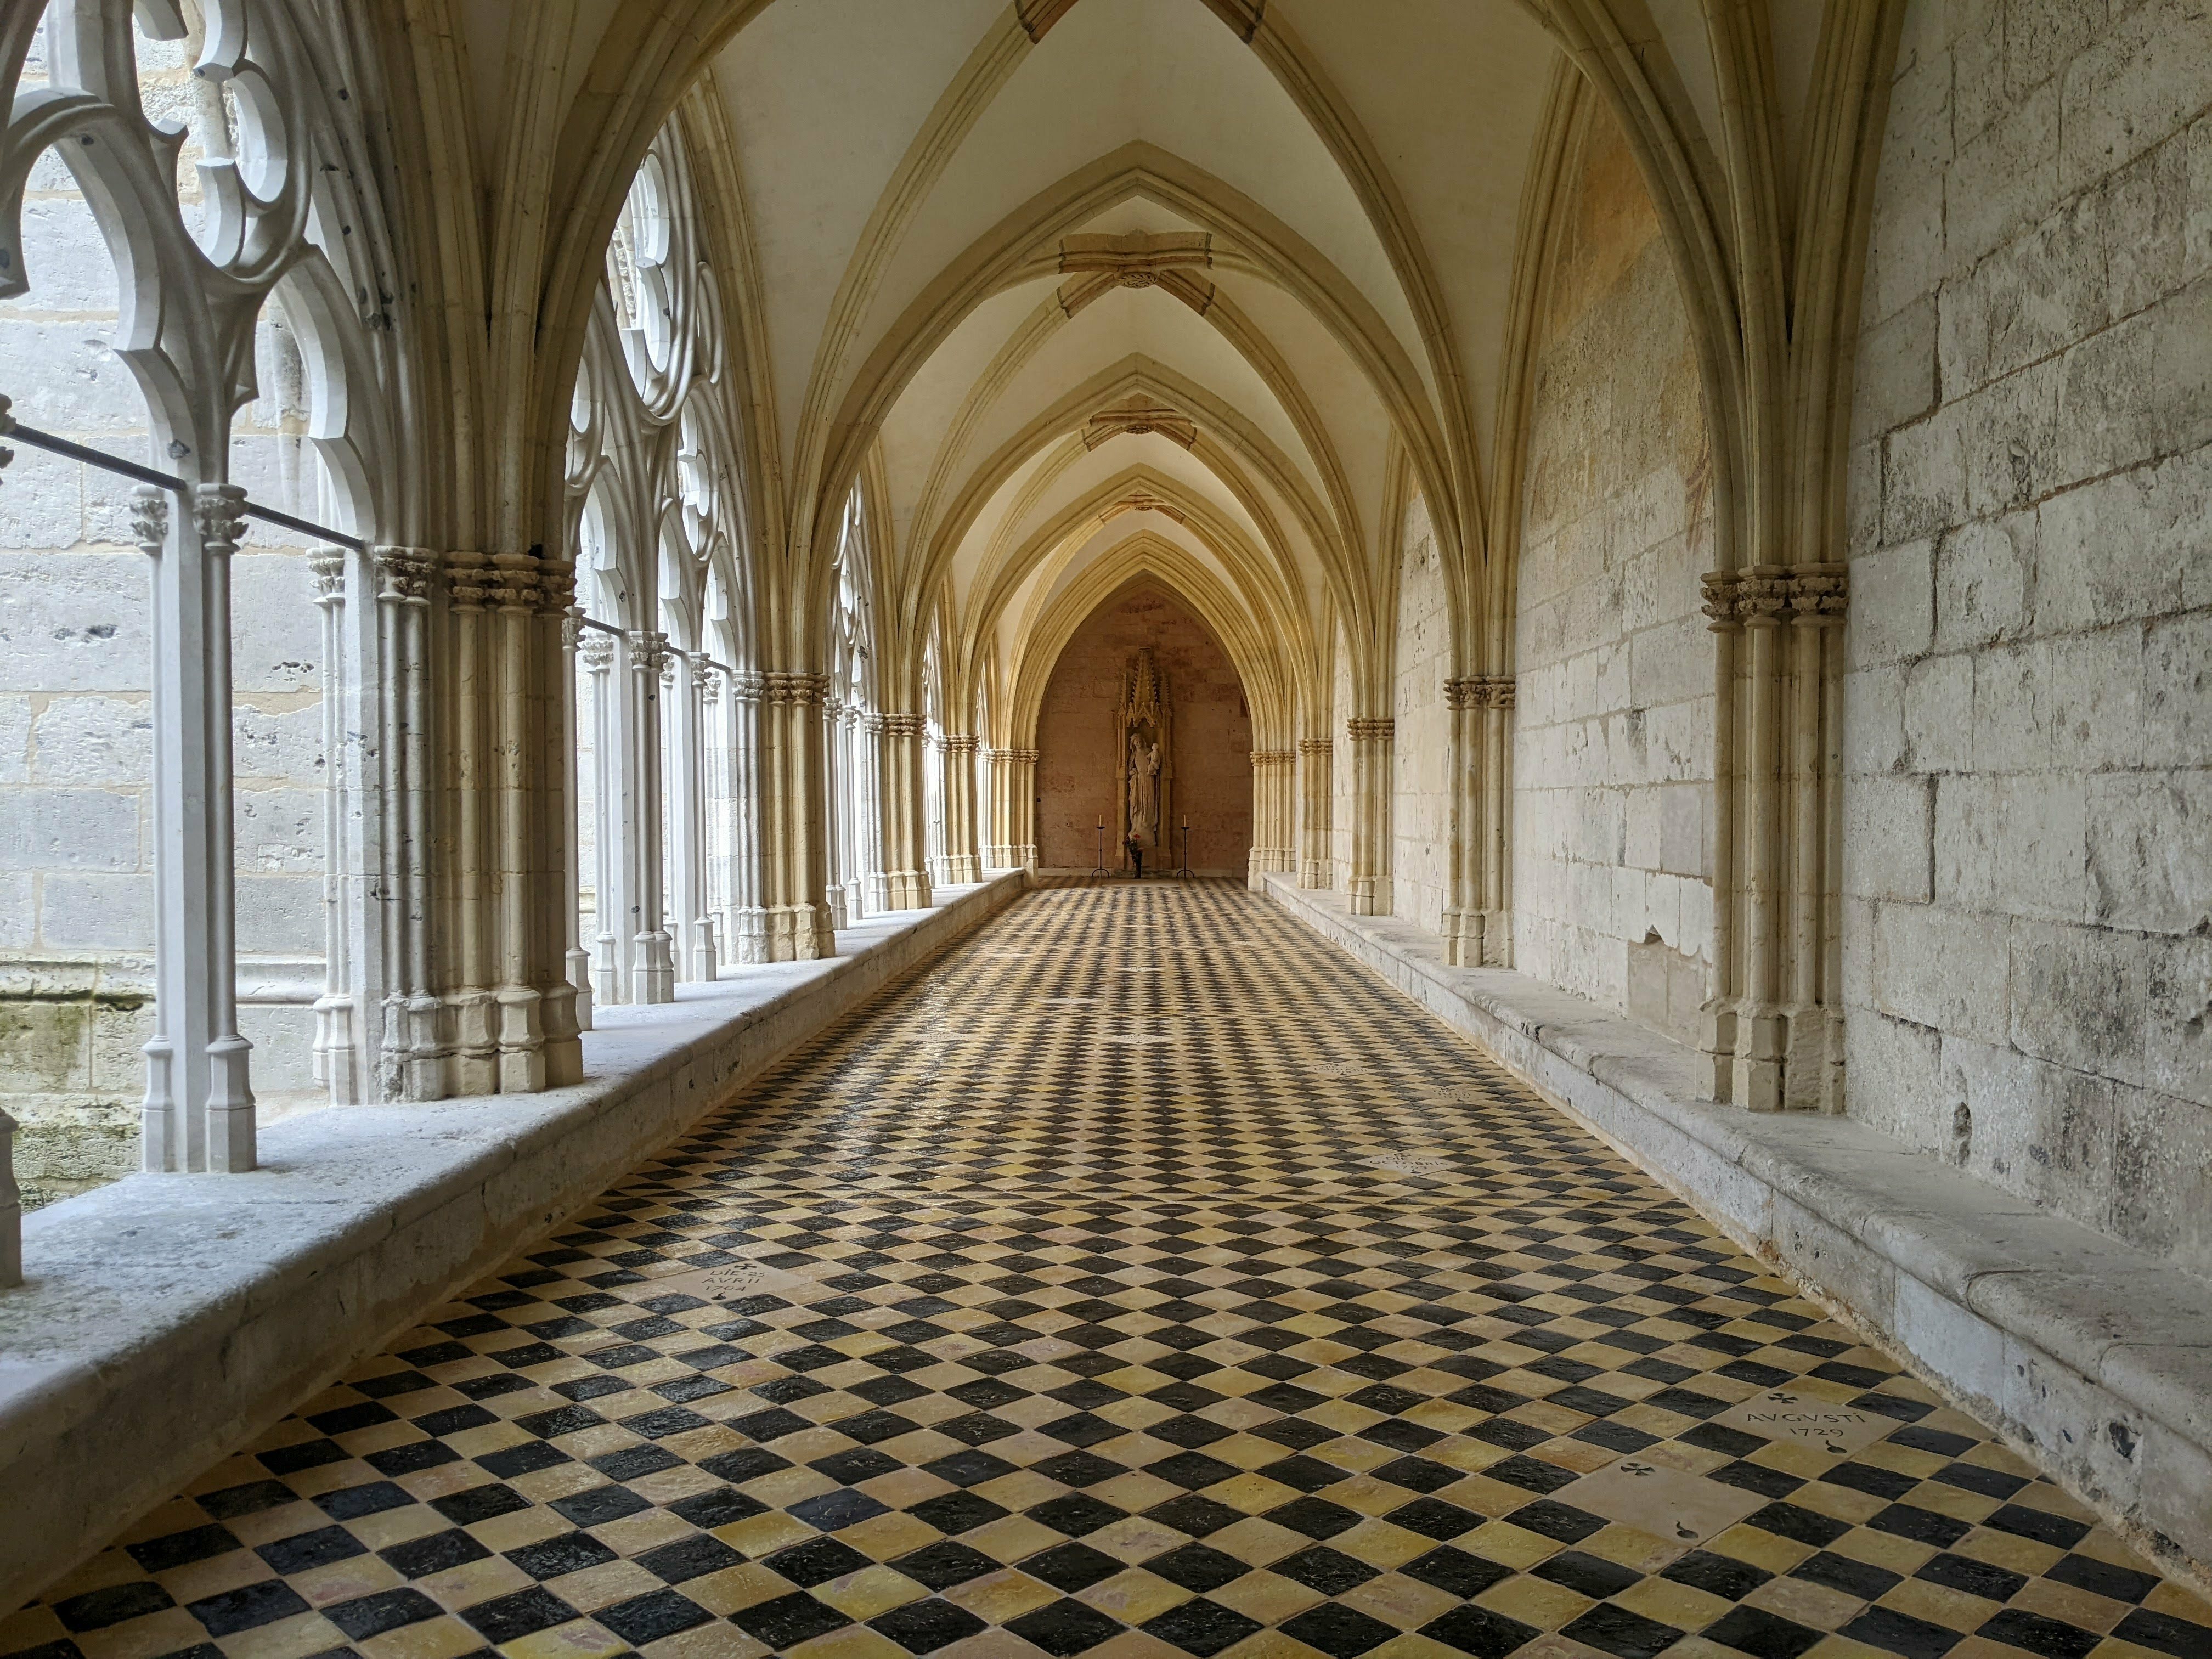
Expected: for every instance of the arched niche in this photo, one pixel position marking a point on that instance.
(1079, 765)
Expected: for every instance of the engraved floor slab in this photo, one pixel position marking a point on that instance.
(1293, 1326)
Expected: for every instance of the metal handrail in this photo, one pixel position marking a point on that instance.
(599, 627)
(106, 462)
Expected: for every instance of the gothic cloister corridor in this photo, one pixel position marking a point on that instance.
(1259, 827)
(1141, 1277)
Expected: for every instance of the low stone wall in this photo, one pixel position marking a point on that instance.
(2095, 1359)
(166, 1319)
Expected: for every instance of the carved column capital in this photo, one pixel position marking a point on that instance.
(785, 686)
(327, 566)
(557, 587)
(217, 511)
(468, 579)
(1767, 596)
(594, 649)
(900, 725)
(517, 582)
(149, 519)
(1370, 728)
(1479, 691)
(1820, 593)
(648, 652)
(403, 575)
(1315, 745)
(959, 743)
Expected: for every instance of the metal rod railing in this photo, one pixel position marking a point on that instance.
(599, 627)
(106, 462)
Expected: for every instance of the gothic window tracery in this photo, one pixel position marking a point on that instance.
(191, 170)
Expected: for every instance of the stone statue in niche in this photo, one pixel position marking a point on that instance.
(1146, 752)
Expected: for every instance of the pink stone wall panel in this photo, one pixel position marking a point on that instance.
(1078, 773)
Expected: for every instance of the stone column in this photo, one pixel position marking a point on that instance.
(745, 923)
(1317, 781)
(858, 821)
(573, 640)
(792, 800)
(1478, 926)
(1021, 808)
(336, 1056)
(750, 929)
(414, 1048)
(609, 819)
(1772, 1029)
(1272, 814)
(997, 834)
(901, 882)
(963, 863)
(837, 801)
(1282, 846)
(513, 1016)
(684, 685)
(1368, 886)
(468, 680)
(651, 953)
(717, 823)
(198, 1109)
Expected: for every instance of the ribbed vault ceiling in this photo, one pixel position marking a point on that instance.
(1249, 265)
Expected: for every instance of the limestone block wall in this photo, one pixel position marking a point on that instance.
(2027, 942)
(75, 725)
(1078, 765)
(1612, 747)
(1420, 817)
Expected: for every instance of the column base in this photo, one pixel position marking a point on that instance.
(801, 933)
(230, 1117)
(1314, 873)
(558, 1038)
(1463, 939)
(580, 982)
(705, 955)
(961, 869)
(521, 1063)
(334, 1059)
(159, 1147)
(653, 968)
(473, 1058)
(899, 890)
(1368, 896)
(749, 935)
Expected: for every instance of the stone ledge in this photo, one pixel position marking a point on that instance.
(2094, 1357)
(166, 1319)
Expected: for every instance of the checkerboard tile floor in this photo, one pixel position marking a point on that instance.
(1142, 1278)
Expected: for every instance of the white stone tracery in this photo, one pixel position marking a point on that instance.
(267, 247)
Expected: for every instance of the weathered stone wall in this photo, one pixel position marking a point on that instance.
(1613, 751)
(2027, 942)
(76, 722)
(1421, 817)
(1079, 762)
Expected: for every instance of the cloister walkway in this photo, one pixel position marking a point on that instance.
(1142, 1278)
